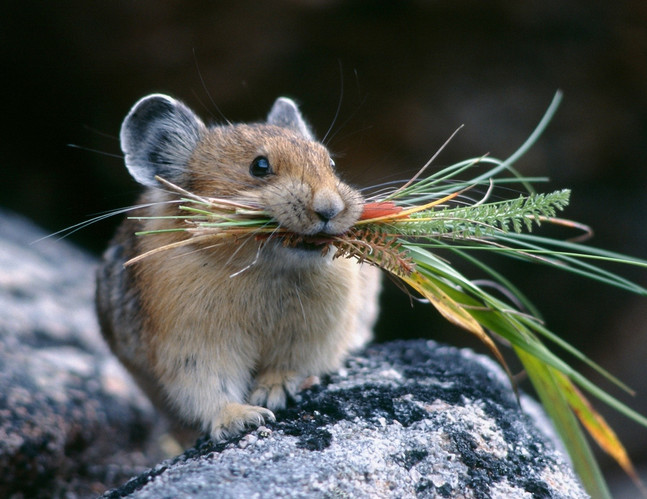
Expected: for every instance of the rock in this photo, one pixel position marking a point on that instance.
(72, 422)
(405, 419)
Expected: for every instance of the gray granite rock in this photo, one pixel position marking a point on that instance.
(404, 419)
(71, 421)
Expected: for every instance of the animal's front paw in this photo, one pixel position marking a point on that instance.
(273, 388)
(235, 418)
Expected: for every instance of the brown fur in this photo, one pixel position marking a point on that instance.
(221, 335)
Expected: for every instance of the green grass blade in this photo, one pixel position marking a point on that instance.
(566, 424)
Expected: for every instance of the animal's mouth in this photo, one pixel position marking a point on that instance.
(309, 243)
(310, 246)
(314, 243)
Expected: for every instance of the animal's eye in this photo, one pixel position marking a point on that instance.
(260, 167)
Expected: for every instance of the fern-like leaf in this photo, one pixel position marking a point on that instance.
(484, 220)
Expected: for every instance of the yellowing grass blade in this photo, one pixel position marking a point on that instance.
(449, 309)
(597, 427)
(455, 313)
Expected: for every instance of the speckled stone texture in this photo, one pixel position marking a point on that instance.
(404, 419)
(71, 421)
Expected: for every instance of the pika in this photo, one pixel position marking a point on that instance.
(219, 336)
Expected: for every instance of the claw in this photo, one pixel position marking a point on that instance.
(236, 418)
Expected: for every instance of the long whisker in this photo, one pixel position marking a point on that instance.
(428, 163)
(341, 98)
(96, 151)
(67, 231)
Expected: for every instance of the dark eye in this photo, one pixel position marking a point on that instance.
(260, 167)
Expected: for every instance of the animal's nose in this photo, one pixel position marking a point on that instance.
(326, 215)
(327, 205)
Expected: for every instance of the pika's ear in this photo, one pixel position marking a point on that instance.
(285, 113)
(158, 137)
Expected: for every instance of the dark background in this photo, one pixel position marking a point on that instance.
(406, 74)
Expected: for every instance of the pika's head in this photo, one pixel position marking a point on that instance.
(277, 164)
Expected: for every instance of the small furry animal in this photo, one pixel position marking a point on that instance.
(220, 335)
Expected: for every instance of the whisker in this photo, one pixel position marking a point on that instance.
(96, 151)
(341, 98)
(303, 310)
(106, 135)
(204, 86)
(244, 269)
(68, 231)
(428, 163)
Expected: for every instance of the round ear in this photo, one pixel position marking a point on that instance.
(158, 137)
(286, 114)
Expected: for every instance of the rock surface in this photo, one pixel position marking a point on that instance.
(403, 419)
(71, 421)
